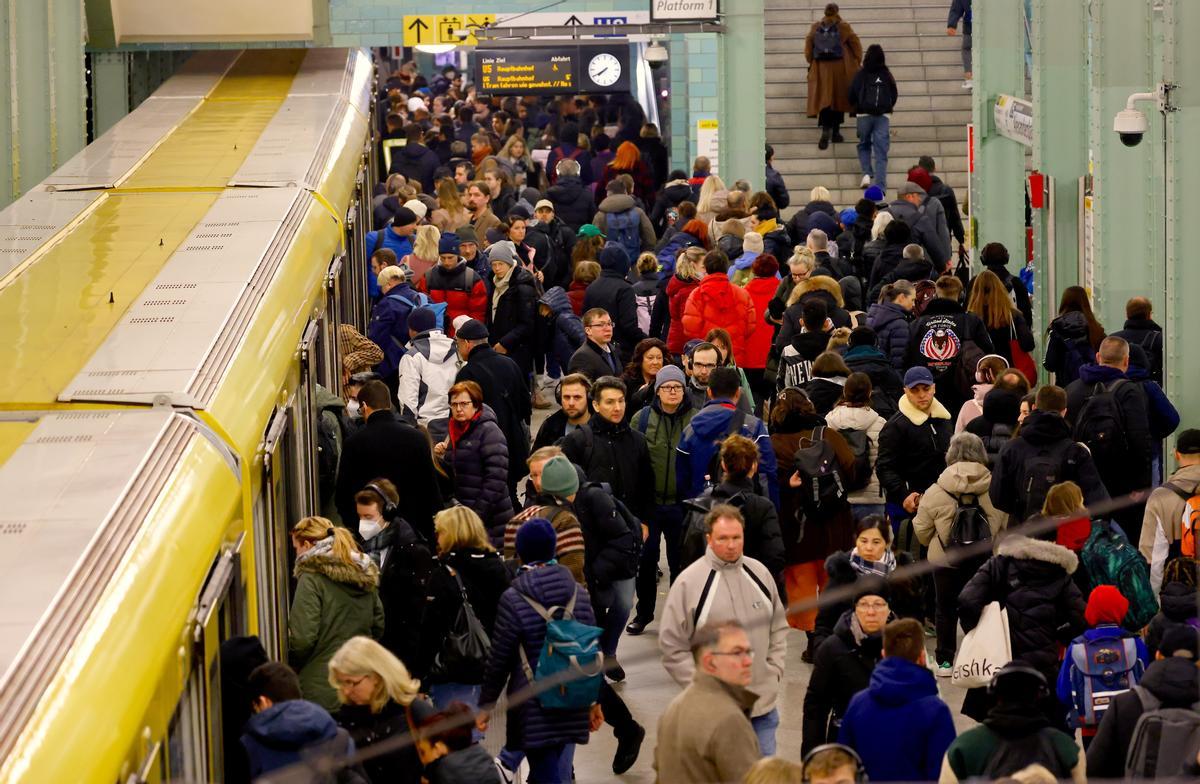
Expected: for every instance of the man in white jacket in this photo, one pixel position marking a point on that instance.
(427, 372)
(725, 585)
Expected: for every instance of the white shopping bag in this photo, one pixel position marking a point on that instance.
(984, 650)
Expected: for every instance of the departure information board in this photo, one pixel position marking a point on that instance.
(552, 70)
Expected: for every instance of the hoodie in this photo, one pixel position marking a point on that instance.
(898, 724)
(280, 735)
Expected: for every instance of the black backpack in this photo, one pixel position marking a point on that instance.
(822, 491)
(827, 42)
(873, 95)
(970, 525)
(1013, 754)
(692, 542)
(632, 545)
(1100, 425)
(1041, 472)
(860, 445)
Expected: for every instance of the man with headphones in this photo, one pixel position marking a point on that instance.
(832, 763)
(1015, 734)
(573, 395)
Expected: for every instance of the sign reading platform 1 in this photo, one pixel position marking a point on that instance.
(549, 70)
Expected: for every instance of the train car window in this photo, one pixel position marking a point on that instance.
(331, 354)
(304, 435)
(186, 758)
(354, 281)
(272, 553)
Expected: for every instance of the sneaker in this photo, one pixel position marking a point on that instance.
(614, 671)
(968, 84)
(636, 627)
(866, 182)
(628, 748)
(506, 776)
(945, 670)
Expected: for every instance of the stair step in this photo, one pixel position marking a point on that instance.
(779, 137)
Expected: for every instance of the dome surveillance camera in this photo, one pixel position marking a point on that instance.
(656, 54)
(1130, 126)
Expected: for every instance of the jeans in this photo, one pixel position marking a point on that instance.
(612, 604)
(873, 135)
(551, 765)
(667, 523)
(443, 694)
(764, 727)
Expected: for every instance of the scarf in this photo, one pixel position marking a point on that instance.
(325, 548)
(459, 429)
(877, 568)
(501, 285)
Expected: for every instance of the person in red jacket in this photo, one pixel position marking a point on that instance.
(761, 289)
(716, 302)
(454, 282)
(689, 270)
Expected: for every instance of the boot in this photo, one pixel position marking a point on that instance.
(824, 143)
(837, 135)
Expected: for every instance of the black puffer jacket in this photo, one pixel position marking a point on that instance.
(573, 201)
(911, 456)
(480, 461)
(1032, 579)
(609, 548)
(368, 729)
(616, 454)
(912, 270)
(484, 577)
(511, 322)
(886, 385)
(891, 322)
(998, 422)
(842, 667)
(1176, 684)
(1178, 603)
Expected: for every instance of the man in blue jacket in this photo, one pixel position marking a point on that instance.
(898, 724)
(709, 427)
(396, 236)
(389, 321)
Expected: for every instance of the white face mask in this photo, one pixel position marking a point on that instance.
(369, 529)
(352, 408)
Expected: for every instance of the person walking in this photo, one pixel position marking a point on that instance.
(960, 10)
(872, 96)
(477, 451)
(834, 54)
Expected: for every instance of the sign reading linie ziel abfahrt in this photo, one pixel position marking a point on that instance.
(683, 10)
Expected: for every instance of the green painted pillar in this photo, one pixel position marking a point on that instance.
(1128, 216)
(1060, 100)
(1181, 317)
(998, 183)
(110, 89)
(42, 94)
(743, 104)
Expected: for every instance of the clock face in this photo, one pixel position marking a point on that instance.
(604, 69)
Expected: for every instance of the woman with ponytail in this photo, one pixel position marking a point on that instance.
(336, 598)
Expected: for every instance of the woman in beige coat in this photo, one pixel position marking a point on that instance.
(965, 479)
(829, 75)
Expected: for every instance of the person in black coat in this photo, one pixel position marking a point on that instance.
(572, 199)
(1032, 579)
(414, 160)
(864, 356)
(896, 237)
(505, 392)
(599, 355)
(995, 259)
(816, 288)
(388, 447)
(819, 213)
(609, 450)
(913, 266)
(775, 186)
(614, 293)
(931, 339)
(675, 191)
(1173, 679)
(829, 374)
(477, 450)
(913, 443)
(1142, 331)
(763, 536)
(561, 241)
(513, 306)
(843, 664)
(996, 425)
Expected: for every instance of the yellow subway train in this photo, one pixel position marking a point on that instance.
(169, 299)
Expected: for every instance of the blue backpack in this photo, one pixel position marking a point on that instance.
(571, 658)
(422, 300)
(1101, 669)
(625, 229)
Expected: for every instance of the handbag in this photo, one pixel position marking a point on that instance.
(465, 650)
(984, 650)
(1020, 357)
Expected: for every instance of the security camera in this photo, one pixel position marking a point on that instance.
(1131, 125)
(656, 54)
(461, 33)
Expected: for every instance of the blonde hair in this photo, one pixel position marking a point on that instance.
(712, 184)
(803, 256)
(774, 770)
(690, 266)
(448, 196)
(1064, 498)
(390, 274)
(457, 527)
(819, 193)
(426, 244)
(543, 453)
(360, 656)
(316, 529)
(882, 219)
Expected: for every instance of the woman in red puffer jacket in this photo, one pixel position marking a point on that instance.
(688, 272)
(716, 302)
(761, 289)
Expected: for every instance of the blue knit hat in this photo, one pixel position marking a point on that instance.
(536, 541)
(448, 243)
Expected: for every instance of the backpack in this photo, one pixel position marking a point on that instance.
(1101, 427)
(1013, 754)
(734, 426)
(822, 491)
(421, 300)
(465, 650)
(1110, 559)
(552, 171)
(873, 96)
(634, 525)
(692, 542)
(625, 229)
(1190, 521)
(1076, 354)
(860, 445)
(1164, 739)
(329, 453)
(970, 525)
(1041, 472)
(827, 42)
(794, 370)
(1101, 669)
(469, 278)
(570, 654)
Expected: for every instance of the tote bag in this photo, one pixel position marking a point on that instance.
(984, 650)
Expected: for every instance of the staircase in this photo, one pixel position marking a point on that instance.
(930, 117)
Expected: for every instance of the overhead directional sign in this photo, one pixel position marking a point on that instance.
(683, 10)
(441, 28)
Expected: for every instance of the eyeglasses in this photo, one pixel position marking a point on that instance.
(873, 606)
(740, 653)
(346, 684)
(461, 403)
(709, 365)
(600, 324)
(671, 388)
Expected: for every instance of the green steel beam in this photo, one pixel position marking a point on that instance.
(110, 89)
(743, 103)
(8, 172)
(1180, 316)
(1128, 218)
(998, 182)
(1060, 99)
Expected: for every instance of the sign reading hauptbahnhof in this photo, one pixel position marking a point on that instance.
(549, 70)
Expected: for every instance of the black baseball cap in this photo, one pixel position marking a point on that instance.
(1188, 442)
